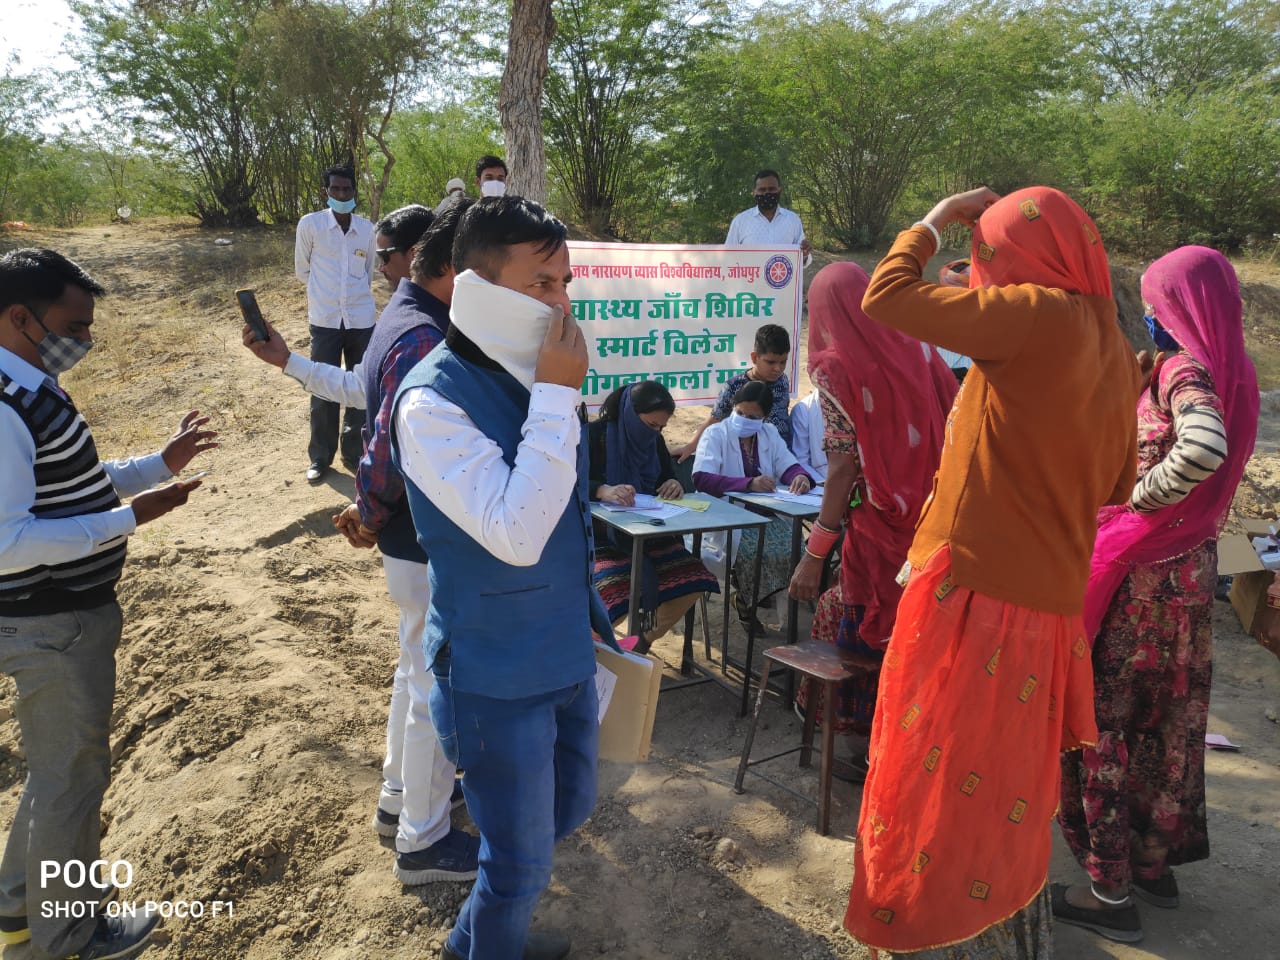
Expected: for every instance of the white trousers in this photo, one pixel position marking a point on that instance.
(417, 780)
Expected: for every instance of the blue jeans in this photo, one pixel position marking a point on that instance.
(530, 780)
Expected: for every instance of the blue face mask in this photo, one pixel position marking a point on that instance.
(342, 206)
(1163, 339)
(744, 427)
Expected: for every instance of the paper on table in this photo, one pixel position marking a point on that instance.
(813, 498)
(690, 503)
(606, 680)
(650, 507)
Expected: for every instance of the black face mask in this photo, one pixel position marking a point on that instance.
(767, 201)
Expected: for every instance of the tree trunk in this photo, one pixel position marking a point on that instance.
(520, 97)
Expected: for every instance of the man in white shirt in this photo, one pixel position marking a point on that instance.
(489, 437)
(767, 223)
(63, 536)
(334, 256)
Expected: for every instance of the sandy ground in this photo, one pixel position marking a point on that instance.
(254, 680)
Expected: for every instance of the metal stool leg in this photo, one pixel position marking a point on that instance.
(751, 728)
(828, 756)
(706, 626)
(810, 720)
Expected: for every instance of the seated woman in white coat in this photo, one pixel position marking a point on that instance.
(806, 436)
(745, 453)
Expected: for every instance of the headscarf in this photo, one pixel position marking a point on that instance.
(1039, 235)
(631, 456)
(1196, 297)
(896, 391)
(631, 449)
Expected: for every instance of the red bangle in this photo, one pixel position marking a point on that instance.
(821, 540)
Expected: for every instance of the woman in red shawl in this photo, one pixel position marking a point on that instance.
(987, 677)
(884, 400)
(1134, 806)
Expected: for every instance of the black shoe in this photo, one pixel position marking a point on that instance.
(538, 945)
(386, 824)
(1161, 893)
(1122, 925)
(456, 857)
(853, 770)
(117, 937)
(16, 930)
(350, 464)
(316, 472)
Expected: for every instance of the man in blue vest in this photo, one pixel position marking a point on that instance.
(489, 435)
(63, 532)
(418, 787)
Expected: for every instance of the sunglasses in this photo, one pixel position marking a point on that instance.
(384, 254)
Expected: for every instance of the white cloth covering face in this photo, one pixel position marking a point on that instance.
(508, 326)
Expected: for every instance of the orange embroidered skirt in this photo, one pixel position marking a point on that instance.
(977, 699)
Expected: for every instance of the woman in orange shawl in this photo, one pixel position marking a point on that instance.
(987, 675)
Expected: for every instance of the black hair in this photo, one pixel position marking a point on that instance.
(766, 172)
(406, 226)
(495, 223)
(772, 338)
(35, 277)
(338, 170)
(434, 253)
(755, 391)
(646, 397)
(488, 161)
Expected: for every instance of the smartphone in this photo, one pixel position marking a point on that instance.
(252, 315)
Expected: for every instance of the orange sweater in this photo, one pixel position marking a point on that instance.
(1041, 435)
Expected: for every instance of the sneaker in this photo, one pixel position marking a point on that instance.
(316, 472)
(1161, 893)
(15, 929)
(117, 937)
(386, 824)
(456, 857)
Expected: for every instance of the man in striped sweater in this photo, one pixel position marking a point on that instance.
(63, 532)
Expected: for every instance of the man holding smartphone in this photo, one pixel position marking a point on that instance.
(63, 532)
(418, 787)
(334, 257)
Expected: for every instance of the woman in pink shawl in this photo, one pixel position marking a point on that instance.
(884, 400)
(1133, 807)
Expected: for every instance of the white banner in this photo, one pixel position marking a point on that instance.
(685, 316)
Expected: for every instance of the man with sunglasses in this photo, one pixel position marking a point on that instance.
(415, 250)
(334, 257)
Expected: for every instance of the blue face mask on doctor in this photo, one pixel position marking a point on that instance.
(1163, 339)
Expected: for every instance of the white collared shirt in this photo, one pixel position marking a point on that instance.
(28, 541)
(753, 228)
(511, 512)
(337, 269)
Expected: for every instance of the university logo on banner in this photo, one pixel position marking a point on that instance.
(685, 316)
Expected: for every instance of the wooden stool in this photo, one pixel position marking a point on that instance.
(817, 663)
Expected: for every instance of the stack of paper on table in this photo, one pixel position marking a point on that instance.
(627, 686)
(650, 506)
